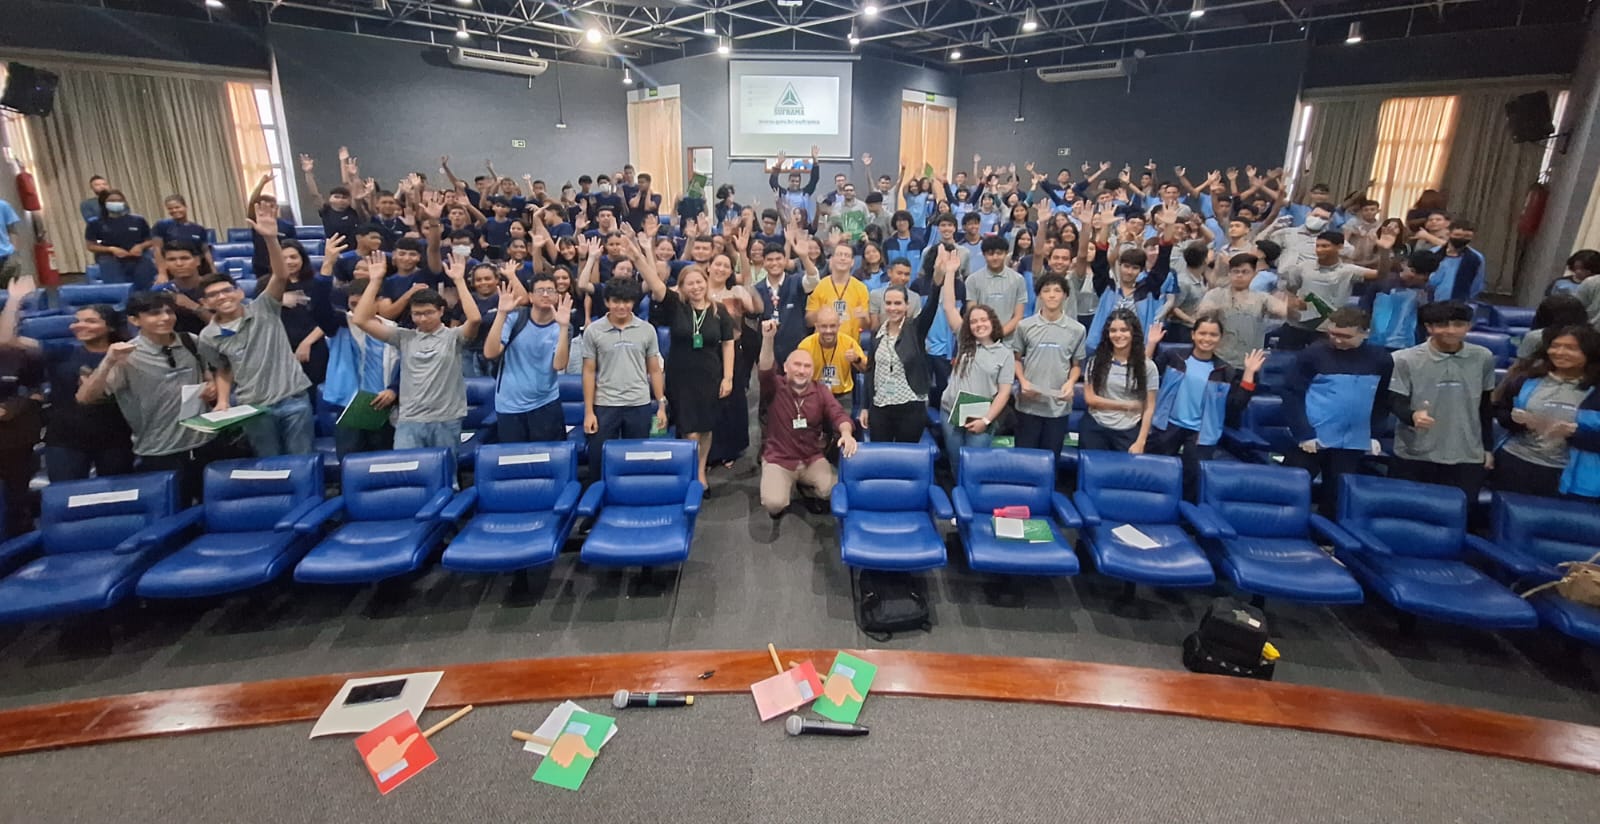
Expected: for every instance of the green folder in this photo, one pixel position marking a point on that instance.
(1003, 441)
(360, 414)
(968, 406)
(697, 185)
(860, 674)
(927, 170)
(592, 729)
(214, 422)
(656, 429)
(1033, 530)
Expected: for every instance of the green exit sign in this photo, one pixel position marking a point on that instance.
(931, 96)
(519, 144)
(652, 93)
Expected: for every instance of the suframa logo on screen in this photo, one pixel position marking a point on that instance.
(789, 104)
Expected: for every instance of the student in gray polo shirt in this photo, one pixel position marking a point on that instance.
(433, 392)
(621, 373)
(1441, 393)
(1329, 279)
(998, 286)
(1049, 350)
(250, 353)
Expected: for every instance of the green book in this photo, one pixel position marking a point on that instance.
(574, 750)
(927, 170)
(1003, 441)
(656, 429)
(1070, 440)
(361, 415)
(214, 422)
(697, 185)
(967, 407)
(846, 689)
(1032, 530)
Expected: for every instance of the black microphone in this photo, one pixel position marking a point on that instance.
(796, 725)
(624, 699)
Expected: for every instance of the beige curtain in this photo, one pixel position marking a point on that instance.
(1589, 230)
(1487, 180)
(249, 141)
(911, 150)
(936, 121)
(150, 135)
(655, 144)
(1414, 139)
(925, 138)
(1342, 142)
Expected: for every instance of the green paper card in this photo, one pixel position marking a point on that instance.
(846, 689)
(574, 751)
(1003, 441)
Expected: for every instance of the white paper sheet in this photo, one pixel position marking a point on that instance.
(1008, 528)
(94, 498)
(339, 719)
(1130, 535)
(402, 466)
(531, 458)
(189, 402)
(229, 414)
(554, 723)
(259, 474)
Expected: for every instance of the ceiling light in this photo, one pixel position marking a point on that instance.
(707, 26)
(955, 54)
(380, 5)
(215, 4)
(1030, 21)
(627, 76)
(1198, 9)
(593, 35)
(788, 3)
(870, 9)
(854, 40)
(561, 124)
(723, 47)
(1355, 33)
(463, 2)
(461, 30)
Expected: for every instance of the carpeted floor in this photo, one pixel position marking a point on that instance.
(925, 761)
(749, 582)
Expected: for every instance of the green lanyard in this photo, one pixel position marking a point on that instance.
(699, 318)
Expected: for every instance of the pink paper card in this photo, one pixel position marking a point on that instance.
(395, 751)
(786, 691)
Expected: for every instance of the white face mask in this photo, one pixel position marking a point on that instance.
(461, 251)
(1316, 224)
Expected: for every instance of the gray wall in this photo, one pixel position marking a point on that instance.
(1205, 110)
(1459, 56)
(1572, 175)
(875, 116)
(399, 107)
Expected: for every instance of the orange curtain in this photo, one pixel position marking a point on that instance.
(1414, 136)
(936, 137)
(655, 145)
(911, 154)
(925, 137)
(251, 159)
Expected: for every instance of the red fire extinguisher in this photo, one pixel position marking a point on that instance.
(44, 262)
(28, 190)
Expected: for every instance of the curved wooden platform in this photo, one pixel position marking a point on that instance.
(928, 675)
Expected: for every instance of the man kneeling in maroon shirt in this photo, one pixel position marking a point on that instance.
(799, 413)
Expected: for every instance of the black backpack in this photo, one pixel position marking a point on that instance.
(1229, 641)
(889, 602)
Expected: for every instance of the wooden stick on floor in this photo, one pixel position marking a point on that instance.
(528, 736)
(454, 717)
(778, 665)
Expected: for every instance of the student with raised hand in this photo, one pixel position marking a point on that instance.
(118, 240)
(1245, 313)
(1327, 280)
(1552, 411)
(1120, 389)
(998, 286)
(409, 278)
(784, 296)
(433, 392)
(1200, 395)
(797, 196)
(1049, 348)
(177, 228)
(797, 409)
(339, 214)
(260, 261)
(1146, 293)
(1442, 394)
(983, 366)
(1336, 398)
(70, 448)
(357, 362)
(485, 280)
(531, 339)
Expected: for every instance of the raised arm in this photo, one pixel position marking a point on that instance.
(265, 223)
(945, 264)
(308, 171)
(365, 314)
(456, 269)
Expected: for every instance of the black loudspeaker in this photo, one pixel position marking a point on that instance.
(29, 90)
(1529, 117)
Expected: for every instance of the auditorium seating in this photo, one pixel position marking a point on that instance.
(522, 502)
(994, 478)
(1116, 489)
(478, 427)
(1261, 433)
(885, 502)
(53, 332)
(390, 505)
(1530, 536)
(645, 504)
(570, 389)
(247, 536)
(1412, 552)
(95, 538)
(1257, 523)
(1498, 343)
(75, 296)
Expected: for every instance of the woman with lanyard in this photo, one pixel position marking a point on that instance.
(700, 359)
(731, 436)
(895, 396)
(1550, 407)
(78, 437)
(983, 367)
(118, 240)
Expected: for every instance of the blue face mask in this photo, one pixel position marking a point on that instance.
(116, 208)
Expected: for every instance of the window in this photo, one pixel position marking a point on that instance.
(1294, 165)
(257, 138)
(1558, 112)
(1414, 135)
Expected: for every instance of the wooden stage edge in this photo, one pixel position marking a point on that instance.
(920, 674)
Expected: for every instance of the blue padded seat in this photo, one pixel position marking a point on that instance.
(1259, 527)
(237, 235)
(248, 539)
(1411, 542)
(390, 506)
(645, 504)
(570, 388)
(242, 247)
(75, 296)
(95, 538)
(478, 427)
(994, 478)
(1146, 492)
(1530, 536)
(1498, 343)
(883, 501)
(524, 498)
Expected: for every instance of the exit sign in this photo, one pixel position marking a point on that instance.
(519, 144)
(931, 97)
(1063, 152)
(652, 93)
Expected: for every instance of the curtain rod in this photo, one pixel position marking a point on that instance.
(1528, 82)
(50, 58)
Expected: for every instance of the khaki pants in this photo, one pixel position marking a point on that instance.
(777, 483)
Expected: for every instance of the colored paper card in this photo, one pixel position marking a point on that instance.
(341, 717)
(552, 726)
(788, 690)
(846, 689)
(574, 750)
(394, 751)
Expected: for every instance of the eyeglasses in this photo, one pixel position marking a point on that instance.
(216, 293)
(544, 290)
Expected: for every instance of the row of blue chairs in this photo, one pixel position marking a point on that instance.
(100, 541)
(1253, 525)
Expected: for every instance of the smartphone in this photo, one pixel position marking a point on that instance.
(373, 693)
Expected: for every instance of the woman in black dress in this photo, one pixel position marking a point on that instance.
(700, 355)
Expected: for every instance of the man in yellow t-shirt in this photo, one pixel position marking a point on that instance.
(835, 358)
(842, 292)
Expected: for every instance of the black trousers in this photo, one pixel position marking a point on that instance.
(1037, 432)
(190, 465)
(1467, 477)
(1332, 464)
(1091, 435)
(1185, 444)
(17, 465)
(900, 423)
(1513, 474)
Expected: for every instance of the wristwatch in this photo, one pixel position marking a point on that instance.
(986, 422)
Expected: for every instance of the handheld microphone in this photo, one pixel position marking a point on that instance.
(624, 699)
(796, 725)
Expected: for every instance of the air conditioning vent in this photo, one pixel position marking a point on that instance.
(498, 62)
(1084, 71)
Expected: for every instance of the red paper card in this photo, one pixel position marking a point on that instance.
(394, 751)
(788, 690)
(1013, 512)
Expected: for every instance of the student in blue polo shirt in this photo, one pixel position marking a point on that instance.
(941, 342)
(1336, 398)
(1200, 394)
(531, 339)
(177, 228)
(118, 240)
(497, 229)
